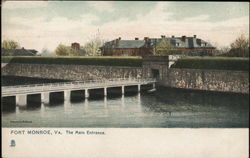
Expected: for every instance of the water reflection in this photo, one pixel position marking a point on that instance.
(17, 110)
(139, 102)
(42, 110)
(105, 103)
(122, 101)
(67, 107)
(106, 106)
(162, 109)
(86, 104)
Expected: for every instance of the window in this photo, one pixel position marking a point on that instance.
(203, 44)
(177, 44)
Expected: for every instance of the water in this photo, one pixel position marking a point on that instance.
(165, 108)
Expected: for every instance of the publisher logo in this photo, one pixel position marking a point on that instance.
(12, 143)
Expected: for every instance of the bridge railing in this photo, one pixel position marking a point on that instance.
(74, 83)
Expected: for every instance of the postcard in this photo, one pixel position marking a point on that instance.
(125, 79)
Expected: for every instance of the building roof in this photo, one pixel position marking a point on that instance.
(20, 52)
(176, 42)
(32, 51)
(131, 44)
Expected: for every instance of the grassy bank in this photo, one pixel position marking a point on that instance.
(93, 60)
(216, 63)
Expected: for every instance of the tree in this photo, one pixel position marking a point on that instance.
(239, 48)
(241, 42)
(163, 48)
(62, 50)
(223, 50)
(92, 47)
(10, 45)
(74, 52)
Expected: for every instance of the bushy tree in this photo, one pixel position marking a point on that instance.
(92, 47)
(239, 48)
(242, 42)
(10, 45)
(62, 50)
(163, 48)
(74, 52)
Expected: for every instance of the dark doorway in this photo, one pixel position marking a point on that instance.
(155, 73)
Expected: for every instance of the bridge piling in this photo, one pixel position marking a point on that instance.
(22, 91)
(45, 97)
(21, 99)
(67, 95)
(123, 90)
(105, 91)
(86, 93)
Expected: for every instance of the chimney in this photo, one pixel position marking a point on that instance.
(194, 36)
(146, 39)
(136, 38)
(183, 38)
(172, 36)
(116, 42)
(163, 36)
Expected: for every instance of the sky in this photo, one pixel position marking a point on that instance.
(46, 24)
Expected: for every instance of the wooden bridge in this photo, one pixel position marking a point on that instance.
(21, 91)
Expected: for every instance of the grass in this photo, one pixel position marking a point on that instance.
(216, 63)
(130, 61)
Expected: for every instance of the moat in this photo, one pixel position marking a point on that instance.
(165, 108)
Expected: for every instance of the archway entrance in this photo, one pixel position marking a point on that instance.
(155, 73)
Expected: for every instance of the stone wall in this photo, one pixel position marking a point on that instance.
(155, 63)
(211, 80)
(71, 72)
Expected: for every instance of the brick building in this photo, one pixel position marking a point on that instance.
(136, 47)
(75, 46)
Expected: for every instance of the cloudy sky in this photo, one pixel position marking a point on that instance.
(44, 24)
